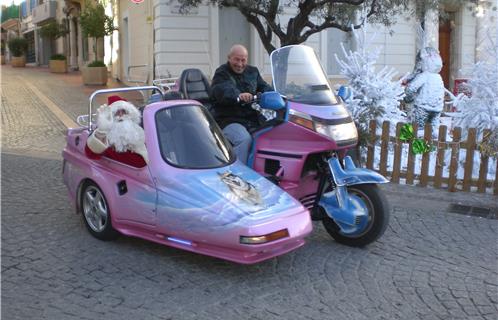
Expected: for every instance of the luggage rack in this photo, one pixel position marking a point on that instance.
(88, 119)
(166, 84)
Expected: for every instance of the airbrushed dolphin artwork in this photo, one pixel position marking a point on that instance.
(181, 186)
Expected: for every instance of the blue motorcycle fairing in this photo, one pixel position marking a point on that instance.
(351, 175)
(348, 211)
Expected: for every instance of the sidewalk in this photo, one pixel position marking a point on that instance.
(68, 93)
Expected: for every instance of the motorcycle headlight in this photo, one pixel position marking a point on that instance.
(337, 132)
(340, 131)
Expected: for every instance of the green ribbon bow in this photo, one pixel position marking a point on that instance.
(419, 146)
(406, 133)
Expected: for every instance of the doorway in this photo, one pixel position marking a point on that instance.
(444, 49)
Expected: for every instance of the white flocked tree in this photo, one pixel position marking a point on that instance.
(375, 95)
(480, 109)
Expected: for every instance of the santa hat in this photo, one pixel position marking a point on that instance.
(112, 99)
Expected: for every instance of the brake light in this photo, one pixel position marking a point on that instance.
(264, 238)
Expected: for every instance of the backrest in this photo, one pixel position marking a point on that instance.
(194, 85)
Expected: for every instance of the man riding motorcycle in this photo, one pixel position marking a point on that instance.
(235, 84)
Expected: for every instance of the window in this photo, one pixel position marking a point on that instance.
(189, 138)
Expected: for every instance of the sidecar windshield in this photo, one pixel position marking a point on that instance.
(190, 138)
(298, 75)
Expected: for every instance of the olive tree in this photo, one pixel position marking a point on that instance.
(313, 16)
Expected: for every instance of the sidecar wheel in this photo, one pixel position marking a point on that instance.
(377, 219)
(96, 214)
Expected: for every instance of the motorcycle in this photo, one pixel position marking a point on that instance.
(304, 148)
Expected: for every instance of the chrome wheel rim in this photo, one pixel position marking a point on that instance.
(95, 209)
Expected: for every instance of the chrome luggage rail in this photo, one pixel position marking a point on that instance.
(89, 117)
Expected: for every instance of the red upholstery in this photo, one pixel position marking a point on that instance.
(130, 158)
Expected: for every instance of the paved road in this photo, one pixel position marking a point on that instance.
(430, 264)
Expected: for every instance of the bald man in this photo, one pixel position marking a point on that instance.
(233, 87)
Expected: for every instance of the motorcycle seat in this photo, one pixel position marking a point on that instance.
(195, 85)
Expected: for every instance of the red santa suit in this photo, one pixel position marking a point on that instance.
(118, 135)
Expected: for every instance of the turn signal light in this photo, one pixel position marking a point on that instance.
(303, 122)
(265, 238)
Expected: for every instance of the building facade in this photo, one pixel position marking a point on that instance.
(201, 39)
(34, 14)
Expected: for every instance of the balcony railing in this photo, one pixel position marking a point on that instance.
(44, 11)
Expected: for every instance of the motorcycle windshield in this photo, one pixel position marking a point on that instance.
(190, 138)
(298, 75)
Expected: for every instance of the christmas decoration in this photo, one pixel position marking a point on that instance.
(424, 86)
(419, 146)
(374, 94)
(118, 134)
(479, 109)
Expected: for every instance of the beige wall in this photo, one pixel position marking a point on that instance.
(137, 42)
(398, 48)
(185, 41)
(192, 40)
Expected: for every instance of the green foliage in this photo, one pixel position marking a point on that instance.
(94, 22)
(53, 30)
(96, 63)
(10, 12)
(58, 57)
(313, 16)
(18, 46)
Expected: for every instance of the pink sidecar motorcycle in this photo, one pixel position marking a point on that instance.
(193, 194)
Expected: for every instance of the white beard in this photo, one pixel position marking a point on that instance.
(126, 136)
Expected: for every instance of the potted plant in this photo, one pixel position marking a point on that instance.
(17, 47)
(95, 24)
(52, 31)
(58, 63)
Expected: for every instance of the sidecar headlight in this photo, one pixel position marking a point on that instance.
(337, 132)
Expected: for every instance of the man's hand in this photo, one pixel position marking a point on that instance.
(245, 97)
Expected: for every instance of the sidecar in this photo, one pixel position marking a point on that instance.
(192, 194)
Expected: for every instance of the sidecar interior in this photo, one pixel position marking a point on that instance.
(194, 85)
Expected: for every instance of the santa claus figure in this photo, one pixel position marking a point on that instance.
(118, 134)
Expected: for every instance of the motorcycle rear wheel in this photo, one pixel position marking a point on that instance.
(378, 217)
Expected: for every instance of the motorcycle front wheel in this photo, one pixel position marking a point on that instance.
(375, 223)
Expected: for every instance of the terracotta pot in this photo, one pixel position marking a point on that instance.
(58, 66)
(94, 75)
(18, 62)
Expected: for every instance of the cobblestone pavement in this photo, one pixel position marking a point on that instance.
(430, 264)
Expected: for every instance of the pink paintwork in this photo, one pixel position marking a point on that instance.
(291, 139)
(191, 209)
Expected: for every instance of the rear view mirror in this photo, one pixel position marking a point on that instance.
(271, 100)
(345, 93)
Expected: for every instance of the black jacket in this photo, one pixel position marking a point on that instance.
(225, 89)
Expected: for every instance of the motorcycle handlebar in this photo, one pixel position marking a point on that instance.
(254, 99)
